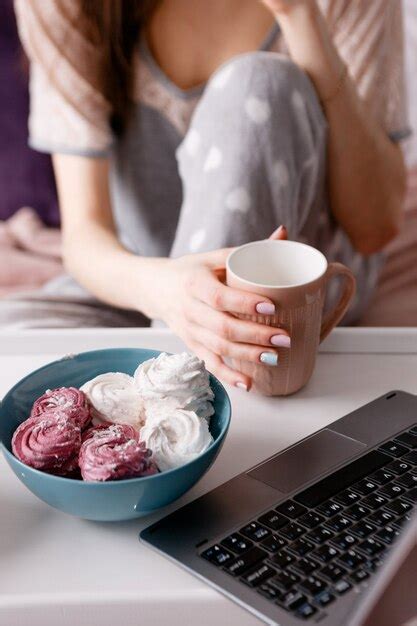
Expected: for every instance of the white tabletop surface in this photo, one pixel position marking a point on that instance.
(56, 570)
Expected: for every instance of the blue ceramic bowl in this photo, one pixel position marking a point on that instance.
(108, 501)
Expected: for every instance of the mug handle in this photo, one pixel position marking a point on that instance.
(333, 317)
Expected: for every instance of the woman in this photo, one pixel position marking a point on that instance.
(175, 133)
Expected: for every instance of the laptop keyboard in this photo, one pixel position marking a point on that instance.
(328, 538)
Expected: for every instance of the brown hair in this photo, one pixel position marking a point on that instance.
(114, 26)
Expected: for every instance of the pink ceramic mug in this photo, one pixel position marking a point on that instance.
(294, 276)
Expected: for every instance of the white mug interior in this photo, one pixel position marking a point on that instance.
(270, 263)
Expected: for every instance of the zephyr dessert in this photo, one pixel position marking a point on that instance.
(113, 452)
(114, 398)
(118, 426)
(50, 442)
(69, 399)
(176, 380)
(176, 438)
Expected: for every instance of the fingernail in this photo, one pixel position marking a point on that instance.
(283, 341)
(265, 308)
(241, 386)
(269, 358)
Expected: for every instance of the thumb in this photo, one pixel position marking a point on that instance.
(280, 233)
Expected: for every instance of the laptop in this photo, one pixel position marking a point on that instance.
(303, 535)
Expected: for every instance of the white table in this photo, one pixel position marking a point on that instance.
(56, 570)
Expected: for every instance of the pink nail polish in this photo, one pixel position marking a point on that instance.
(241, 385)
(282, 341)
(265, 308)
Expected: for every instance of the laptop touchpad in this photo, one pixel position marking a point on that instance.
(307, 460)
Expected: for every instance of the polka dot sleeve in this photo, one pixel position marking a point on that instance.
(68, 114)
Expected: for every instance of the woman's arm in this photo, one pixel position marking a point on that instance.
(186, 293)
(92, 252)
(365, 169)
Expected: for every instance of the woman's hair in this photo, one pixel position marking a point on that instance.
(114, 26)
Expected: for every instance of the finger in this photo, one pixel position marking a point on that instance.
(280, 234)
(216, 366)
(239, 351)
(209, 289)
(238, 330)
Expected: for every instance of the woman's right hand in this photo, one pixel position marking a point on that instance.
(198, 307)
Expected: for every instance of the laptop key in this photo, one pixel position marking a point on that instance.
(351, 559)
(344, 541)
(285, 580)
(365, 486)
(393, 448)
(305, 566)
(381, 476)
(332, 572)
(311, 519)
(399, 467)
(293, 600)
(291, 509)
(370, 565)
(312, 585)
(363, 529)
(273, 520)
(342, 587)
(338, 523)
(246, 561)
(407, 480)
(413, 429)
(400, 521)
(329, 508)
(347, 497)
(325, 553)
(387, 534)
(217, 555)
(382, 517)
(269, 592)
(255, 531)
(236, 543)
(282, 558)
(359, 575)
(393, 490)
(357, 511)
(306, 610)
(292, 531)
(325, 598)
(375, 501)
(273, 543)
(408, 439)
(411, 495)
(411, 457)
(301, 547)
(371, 547)
(319, 535)
(258, 575)
(399, 506)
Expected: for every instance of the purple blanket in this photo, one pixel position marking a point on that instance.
(26, 177)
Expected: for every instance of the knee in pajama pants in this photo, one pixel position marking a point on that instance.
(254, 156)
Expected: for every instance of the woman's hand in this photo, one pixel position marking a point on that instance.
(198, 307)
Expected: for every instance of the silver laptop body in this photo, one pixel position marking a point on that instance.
(318, 467)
